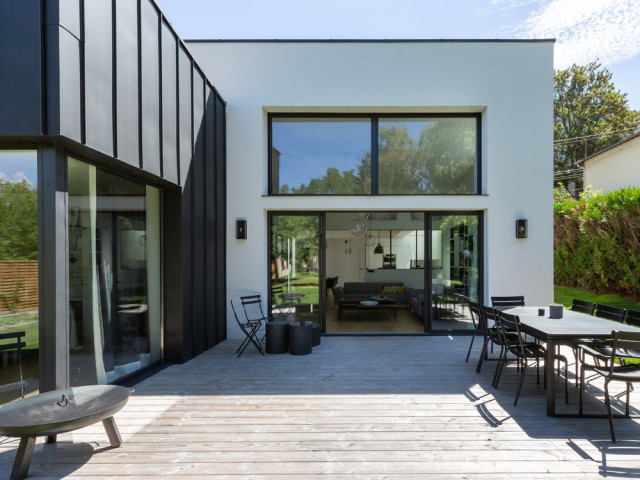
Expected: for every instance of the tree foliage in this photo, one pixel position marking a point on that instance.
(586, 104)
(18, 221)
(442, 160)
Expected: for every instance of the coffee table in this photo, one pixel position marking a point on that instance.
(51, 413)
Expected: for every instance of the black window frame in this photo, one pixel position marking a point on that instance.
(374, 119)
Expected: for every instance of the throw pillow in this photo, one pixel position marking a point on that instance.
(402, 290)
(390, 290)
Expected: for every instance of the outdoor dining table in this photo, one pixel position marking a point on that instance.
(562, 331)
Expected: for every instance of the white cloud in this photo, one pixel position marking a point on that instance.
(585, 30)
(16, 178)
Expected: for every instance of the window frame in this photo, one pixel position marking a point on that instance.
(374, 119)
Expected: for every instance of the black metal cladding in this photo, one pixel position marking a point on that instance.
(110, 82)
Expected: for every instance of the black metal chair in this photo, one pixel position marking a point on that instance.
(250, 328)
(616, 314)
(621, 342)
(583, 306)
(525, 351)
(474, 308)
(501, 337)
(503, 303)
(489, 333)
(14, 341)
(632, 318)
(253, 311)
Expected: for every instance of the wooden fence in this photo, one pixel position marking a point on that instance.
(18, 277)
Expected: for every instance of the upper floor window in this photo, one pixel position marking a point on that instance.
(374, 154)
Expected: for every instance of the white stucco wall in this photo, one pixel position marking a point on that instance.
(510, 83)
(616, 168)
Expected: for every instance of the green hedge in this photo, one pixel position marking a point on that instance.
(597, 242)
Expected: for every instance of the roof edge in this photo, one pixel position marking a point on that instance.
(351, 40)
(580, 163)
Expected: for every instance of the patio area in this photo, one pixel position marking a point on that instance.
(357, 408)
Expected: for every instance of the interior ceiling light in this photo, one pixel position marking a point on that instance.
(371, 239)
(379, 250)
(358, 227)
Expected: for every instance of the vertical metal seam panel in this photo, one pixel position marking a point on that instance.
(83, 76)
(114, 78)
(140, 131)
(160, 103)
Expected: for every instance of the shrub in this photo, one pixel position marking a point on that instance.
(597, 241)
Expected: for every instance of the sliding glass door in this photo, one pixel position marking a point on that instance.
(294, 280)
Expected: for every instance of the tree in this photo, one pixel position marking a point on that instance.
(18, 221)
(589, 113)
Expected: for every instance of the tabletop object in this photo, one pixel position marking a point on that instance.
(51, 413)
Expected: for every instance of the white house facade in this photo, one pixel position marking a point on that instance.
(368, 112)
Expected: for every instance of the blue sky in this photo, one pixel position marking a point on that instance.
(585, 30)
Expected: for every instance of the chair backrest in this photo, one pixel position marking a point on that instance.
(474, 308)
(508, 324)
(633, 318)
(610, 313)
(583, 306)
(14, 341)
(507, 302)
(252, 306)
(628, 342)
(488, 317)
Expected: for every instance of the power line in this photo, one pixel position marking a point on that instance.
(586, 137)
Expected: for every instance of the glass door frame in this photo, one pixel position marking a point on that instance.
(321, 259)
(428, 262)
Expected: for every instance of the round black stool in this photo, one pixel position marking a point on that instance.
(315, 333)
(277, 337)
(300, 338)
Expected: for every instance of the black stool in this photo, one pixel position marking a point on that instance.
(300, 338)
(277, 337)
(315, 333)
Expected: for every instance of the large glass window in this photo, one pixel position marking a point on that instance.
(427, 156)
(19, 266)
(114, 275)
(376, 154)
(321, 156)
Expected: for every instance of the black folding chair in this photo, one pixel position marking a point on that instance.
(525, 351)
(250, 328)
(616, 314)
(623, 345)
(253, 311)
(583, 306)
(503, 303)
(632, 318)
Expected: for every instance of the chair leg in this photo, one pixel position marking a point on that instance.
(483, 353)
(524, 371)
(502, 359)
(471, 345)
(608, 403)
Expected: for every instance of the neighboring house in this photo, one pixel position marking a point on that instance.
(614, 167)
(396, 163)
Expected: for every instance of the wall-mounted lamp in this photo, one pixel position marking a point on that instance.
(241, 229)
(521, 228)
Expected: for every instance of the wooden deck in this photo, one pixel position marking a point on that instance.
(358, 408)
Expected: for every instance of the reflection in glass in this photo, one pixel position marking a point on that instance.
(295, 266)
(114, 275)
(321, 156)
(455, 277)
(427, 156)
(19, 266)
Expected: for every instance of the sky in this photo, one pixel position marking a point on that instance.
(607, 31)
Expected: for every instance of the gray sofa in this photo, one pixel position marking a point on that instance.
(353, 293)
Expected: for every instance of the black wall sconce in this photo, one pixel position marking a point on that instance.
(521, 228)
(241, 229)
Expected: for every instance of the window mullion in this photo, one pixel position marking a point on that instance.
(374, 155)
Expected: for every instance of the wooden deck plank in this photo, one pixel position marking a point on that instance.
(358, 408)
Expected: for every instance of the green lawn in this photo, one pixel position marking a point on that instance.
(304, 282)
(26, 322)
(565, 296)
